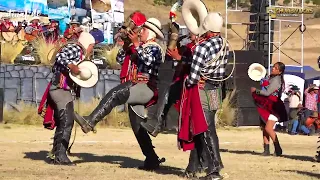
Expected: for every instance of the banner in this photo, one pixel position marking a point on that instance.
(20, 10)
(106, 17)
(59, 11)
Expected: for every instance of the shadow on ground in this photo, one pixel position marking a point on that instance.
(123, 161)
(293, 157)
(310, 174)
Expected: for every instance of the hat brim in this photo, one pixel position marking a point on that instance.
(257, 67)
(92, 81)
(155, 29)
(34, 19)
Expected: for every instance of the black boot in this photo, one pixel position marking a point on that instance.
(212, 176)
(116, 96)
(266, 151)
(155, 125)
(193, 165)
(62, 135)
(277, 147)
(152, 161)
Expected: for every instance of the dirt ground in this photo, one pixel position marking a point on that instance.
(115, 154)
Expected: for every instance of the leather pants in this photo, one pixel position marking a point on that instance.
(152, 160)
(64, 115)
(206, 154)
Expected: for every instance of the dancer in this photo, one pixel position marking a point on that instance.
(182, 63)
(59, 94)
(208, 64)
(271, 107)
(138, 87)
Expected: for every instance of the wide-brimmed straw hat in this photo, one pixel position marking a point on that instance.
(314, 114)
(88, 76)
(74, 22)
(34, 18)
(256, 71)
(313, 87)
(212, 22)
(154, 25)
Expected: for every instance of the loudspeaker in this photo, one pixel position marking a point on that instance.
(247, 112)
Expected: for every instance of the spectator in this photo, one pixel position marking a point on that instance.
(311, 100)
(7, 25)
(73, 32)
(309, 124)
(295, 105)
(97, 33)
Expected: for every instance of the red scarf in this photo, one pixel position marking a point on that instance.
(47, 109)
(128, 66)
(192, 120)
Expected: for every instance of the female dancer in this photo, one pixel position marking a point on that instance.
(271, 107)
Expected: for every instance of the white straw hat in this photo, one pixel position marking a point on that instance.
(256, 71)
(154, 25)
(88, 76)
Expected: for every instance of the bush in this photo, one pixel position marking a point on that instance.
(110, 55)
(316, 2)
(45, 50)
(226, 115)
(286, 2)
(27, 114)
(307, 1)
(10, 51)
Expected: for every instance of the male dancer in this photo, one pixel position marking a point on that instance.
(182, 63)
(59, 94)
(138, 90)
(202, 75)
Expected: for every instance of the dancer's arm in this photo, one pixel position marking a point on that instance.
(197, 64)
(275, 84)
(149, 54)
(68, 56)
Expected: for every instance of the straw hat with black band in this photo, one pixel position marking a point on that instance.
(154, 25)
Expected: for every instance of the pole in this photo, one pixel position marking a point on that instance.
(2, 88)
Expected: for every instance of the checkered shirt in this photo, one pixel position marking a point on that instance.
(149, 59)
(311, 100)
(71, 53)
(204, 52)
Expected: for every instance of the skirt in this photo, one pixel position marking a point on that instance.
(270, 105)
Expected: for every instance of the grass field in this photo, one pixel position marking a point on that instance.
(115, 154)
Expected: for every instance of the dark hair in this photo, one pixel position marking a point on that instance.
(282, 68)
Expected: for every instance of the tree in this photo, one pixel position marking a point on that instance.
(316, 2)
(286, 2)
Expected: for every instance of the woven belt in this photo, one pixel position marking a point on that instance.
(141, 78)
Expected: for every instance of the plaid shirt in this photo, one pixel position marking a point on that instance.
(71, 53)
(149, 59)
(204, 52)
(311, 100)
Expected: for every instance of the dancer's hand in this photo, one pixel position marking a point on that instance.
(74, 69)
(253, 89)
(174, 54)
(134, 38)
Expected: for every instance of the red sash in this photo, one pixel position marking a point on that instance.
(192, 120)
